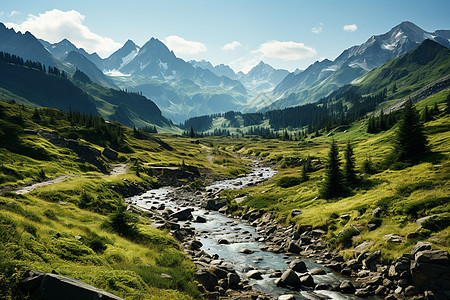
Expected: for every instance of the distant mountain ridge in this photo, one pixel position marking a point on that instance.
(303, 87)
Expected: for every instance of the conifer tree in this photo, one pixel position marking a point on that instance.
(192, 133)
(349, 167)
(447, 101)
(410, 142)
(333, 184)
(305, 176)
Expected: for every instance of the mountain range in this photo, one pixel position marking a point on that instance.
(184, 89)
(325, 76)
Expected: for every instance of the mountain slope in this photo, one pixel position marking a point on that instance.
(61, 49)
(87, 66)
(410, 72)
(373, 53)
(43, 89)
(263, 77)
(24, 45)
(120, 57)
(129, 109)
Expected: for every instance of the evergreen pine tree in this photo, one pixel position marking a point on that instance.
(333, 184)
(447, 101)
(410, 142)
(192, 132)
(349, 167)
(305, 176)
(426, 114)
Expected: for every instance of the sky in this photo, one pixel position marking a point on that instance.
(287, 34)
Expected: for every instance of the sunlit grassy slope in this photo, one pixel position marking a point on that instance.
(59, 227)
(404, 195)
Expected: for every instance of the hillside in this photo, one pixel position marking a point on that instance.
(63, 228)
(403, 75)
(32, 85)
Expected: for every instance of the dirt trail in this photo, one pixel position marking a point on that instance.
(116, 169)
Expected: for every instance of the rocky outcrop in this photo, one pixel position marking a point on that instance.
(55, 287)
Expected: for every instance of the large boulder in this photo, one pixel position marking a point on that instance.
(431, 270)
(307, 280)
(293, 247)
(207, 279)
(298, 266)
(55, 287)
(182, 215)
(216, 204)
(291, 279)
(347, 287)
(254, 274)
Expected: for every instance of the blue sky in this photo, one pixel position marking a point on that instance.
(287, 34)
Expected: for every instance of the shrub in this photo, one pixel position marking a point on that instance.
(123, 223)
(345, 237)
(288, 181)
(406, 190)
(50, 214)
(418, 208)
(437, 223)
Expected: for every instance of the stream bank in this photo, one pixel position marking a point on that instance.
(254, 257)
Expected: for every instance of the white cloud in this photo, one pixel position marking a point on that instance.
(55, 25)
(231, 46)
(14, 13)
(182, 46)
(317, 29)
(350, 27)
(286, 50)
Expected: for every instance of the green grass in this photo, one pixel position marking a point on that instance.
(404, 195)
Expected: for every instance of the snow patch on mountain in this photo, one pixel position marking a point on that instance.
(115, 73)
(129, 57)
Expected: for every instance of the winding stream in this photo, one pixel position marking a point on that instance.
(241, 235)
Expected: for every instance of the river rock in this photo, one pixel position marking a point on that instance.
(207, 279)
(307, 280)
(246, 251)
(223, 242)
(233, 279)
(286, 297)
(298, 266)
(254, 274)
(216, 204)
(347, 287)
(294, 247)
(370, 260)
(219, 272)
(195, 245)
(200, 219)
(323, 286)
(291, 279)
(182, 215)
(317, 271)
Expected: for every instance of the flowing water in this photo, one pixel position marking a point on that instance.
(241, 235)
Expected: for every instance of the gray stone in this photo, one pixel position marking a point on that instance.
(420, 246)
(55, 287)
(207, 279)
(195, 245)
(421, 220)
(345, 217)
(307, 280)
(376, 212)
(223, 242)
(291, 279)
(294, 247)
(254, 274)
(381, 291)
(216, 204)
(323, 286)
(246, 251)
(317, 271)
(298, 266)
(286, 297)
(233, 279)
(182, 215)
(200, 219)
(347, 287)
